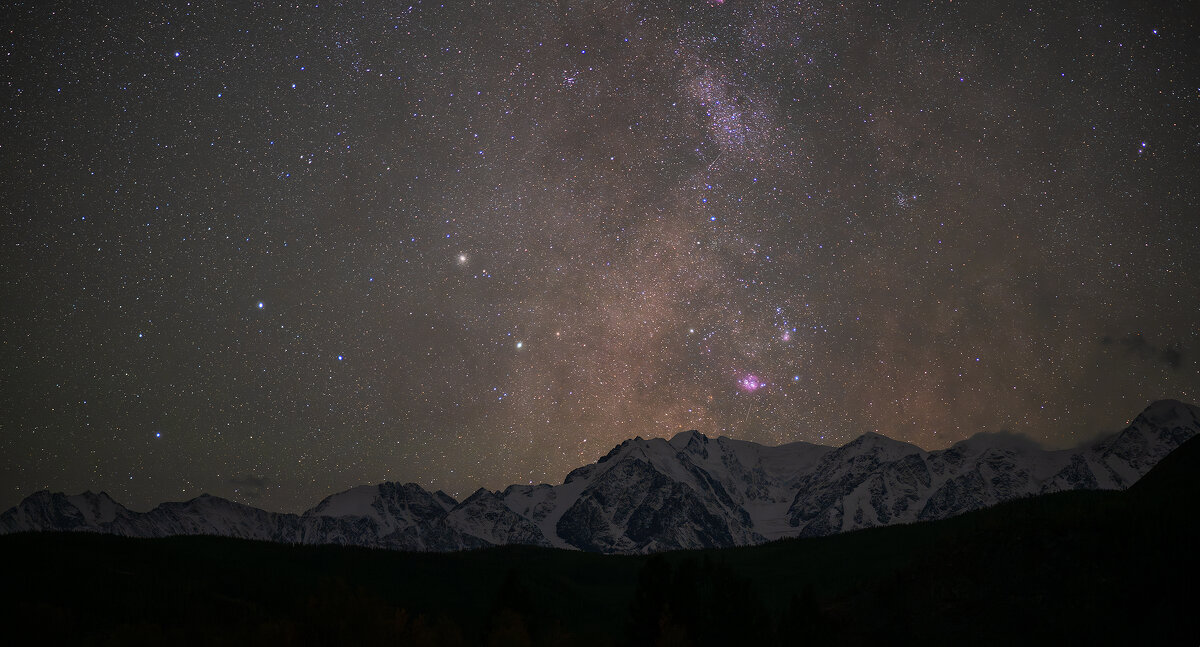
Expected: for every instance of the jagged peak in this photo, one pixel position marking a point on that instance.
(408, 489)
(1168, 411)
(103, 495)
(88, 495)
(92, 498)
(359, 500)
(478, 495)
(684, 438)
(445, 500)
(1169, 403)
(346, 503)
(1003, 439)
(207, 500)
(623, 444)
(638, 447)
(523, 487)
(874, 440)
(212, 499)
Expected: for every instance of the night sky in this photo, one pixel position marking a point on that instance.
(272, 253)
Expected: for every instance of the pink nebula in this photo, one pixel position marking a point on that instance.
(751, 383)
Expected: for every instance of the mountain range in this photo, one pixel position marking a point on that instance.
(653, 495)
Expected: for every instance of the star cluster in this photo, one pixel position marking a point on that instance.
(273, 252)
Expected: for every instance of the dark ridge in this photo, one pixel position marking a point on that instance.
(1078, 567)
(1177, 474)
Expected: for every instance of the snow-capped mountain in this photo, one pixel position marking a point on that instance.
(650, 495)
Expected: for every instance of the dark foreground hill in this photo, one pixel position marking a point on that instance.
(1081, 567)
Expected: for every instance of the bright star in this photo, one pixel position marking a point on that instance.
(261, 305)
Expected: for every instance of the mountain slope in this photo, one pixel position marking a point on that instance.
(653, 495)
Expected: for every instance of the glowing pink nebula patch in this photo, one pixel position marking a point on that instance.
(751, 383)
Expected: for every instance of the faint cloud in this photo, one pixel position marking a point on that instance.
(250, 486)
(1134, 344)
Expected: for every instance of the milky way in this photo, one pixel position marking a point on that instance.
(272, 253)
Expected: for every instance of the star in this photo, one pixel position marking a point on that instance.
(427, 203)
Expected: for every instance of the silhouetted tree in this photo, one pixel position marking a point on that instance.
(648, 610)
(700, 603)
(513, 616)
(805, 620)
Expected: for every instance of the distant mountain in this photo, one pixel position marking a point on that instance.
(654, 495)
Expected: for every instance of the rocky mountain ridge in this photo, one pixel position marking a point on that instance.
(651, 495)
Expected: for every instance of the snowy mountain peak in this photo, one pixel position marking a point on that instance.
(683, 439)
(206, 500)
(444, 500)
(1005, 440)
(880, 446)
(356, 501)
(481, 493)
(97, 508)
(1169, 413)
(373, 500)
(647, 495)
